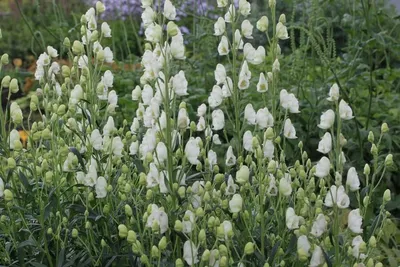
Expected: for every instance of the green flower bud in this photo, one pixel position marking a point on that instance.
(155, 252)
(223, 250)
(370, 263)
(384, 128)
(5, 82)
(269, 134)
(271, 166)
(379, 264)
(374, 150)
(67, 42)
(128, 210)
(11, 164)
(8, 195)
(206, 255)
(95, 36)
(202, 235)
(366, 201)
(223, 261)
(122, 231)
(179, 263)
(387, 196)
(210, 222)
(172, 29)
(144, 259)
(367, 169)
(249, 248)
(46, 134)
(100, 8)
(49, 231)
(389, 160)
(131, 238)
(77, 48)
(74, 233)
(178, 226)
(88, 225)
(14, 86)
(372, 241)
(371, 137)
(103, 243)
(162, 244)
(4, 59)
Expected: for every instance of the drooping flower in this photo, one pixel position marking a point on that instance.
(325, 145)
(101, 187)
(281, 31)
(158, 216)
(192, 151)
(220, 74)
(190, 253)
(334, 93)
(292, 220)
(153, 33)
(242, 175)
(319, 225)
(262, 24)
(264, 118)
(337, 196)
(247, 29)
(250, 114)
(230, 157)
(345, 111)
(15, 113)
(201, 110)
(230, 15)
(14, 137)
(289, 101)
(327, 119)
(117, 146)
(219, 27)
(268, 149)
(288, 130)
(236, 203)
(248, 141)
(355, 221)
(231, 187)
(317, 258)
(303, 247)
(223, 47)
(262, 85)
(96, 140)
(285, 185)
(169, 10)
(353, 182)
(180, 84)
(323, 167)
(183, 119)
(216, 97)
(218, 119)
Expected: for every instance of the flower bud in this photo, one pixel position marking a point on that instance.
(223, 261)
(249, 248)
(178, 226)
(172, 29)
(8, 195)
(370, 263)
(74, 233)
(374, 150)
(387, 195)
(77, 48)
(11, 164)
(271, 166)
(262, 24)
(122, 231)
(162, 244)
(366, 201)
(282, 18)
(100, 8)
(4, 59)
(272, 3)
(179, 263)
(379, 264)
(144, 259)
(384, 128)
(202, 235)
(206, 255)
(14, 86)
(5, 82)
(389, 160)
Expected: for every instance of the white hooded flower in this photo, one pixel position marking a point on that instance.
(288, 130)
(188, 224)
(147, 94)
(323, 167)
(327, 119)
(236, 203)
(201, 125)
(201, 110)
(183, 119)
(169, 10)
(76, 95)
(105, 30)
(334, 93)
(109, 127)
(134, 148)
(230, 157)
(117, 146)
(272, 189)
(52, 51)
(303, 246)
(264, 119)
(268, 149)
(148, 16)
(212, 158)
(219, 27)
(243, 175)
(262, 24)
(247, 29)
(96, 140)
(238, 40)
(161, 153)
(244, 7)
(317, 258)
(337, 196)
(262, 85)
(216, 97)
(153, 176)
(355, 221)
(345, 111)
(281, 31)
(325, 145)
(220, 74)
(177, 47)
(14, 137)
(1, 187)
(230, 14)
(231, 187)
(248, 141)
(158, 216)
(292, 220)
(218, 119)
(285, 185)
(192, 151)
(289, 101)
(353, 182)
(250, 114)
(153, 33)
(108, 55)
(227, 88)
(108, 79)
(190, 253)
(91, 176)
(319, 225)
(223, 47)
(356, 243)
(222, 3)
(244, 76)
(101, 187)
(180, 84)
(112, 101)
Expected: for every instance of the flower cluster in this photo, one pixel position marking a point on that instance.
(165, 188)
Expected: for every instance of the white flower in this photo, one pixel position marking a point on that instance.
(338, 196)
(134, 148)
(180, 84)
(190, 253)
(192, 151)
(112, 101)
(108, 79)
(236, 203)
(161, 152)
(147, 94)
(345, 111)
(226, 227)
(230, 157)
(223, 47)
(83, 61)
(158, 216)
(108, 55)
(109, 127)
(356, 243)
(231, 187)
(1, 187)
(289, 101)
(212, 158)
(248, 141)
(146, 3)
(169, 10)
(292, 220)
(285, 185)
(319, 225)
(117, 146)
(52, 51)
(262, 85)
(269, 149)
(153, 33)
(222, 3)
(218, 119)
(96, 140)
(247, 29)
(327, 119)
(244, 7)
(244, 76)
(148, 16)
(135, 125)
(153, 176)
(264, 118)
(201, 110)
(238, 40)
(262, 24)
(177, 47)
(227, 88)
(105, 29)
(250, 114)
(15, 113)
(101, 187)
(353, 182)
(288, 130)
(201, 125)
(323, 167)
(355, 221)
(230, 14)
(43, 60)
(325, 145)
(216, 97)
(188, 224)
(91, 176)
(303, 246)
(334, 93)
(281, 31)
(220, 74)
(183, 119)
(276, 66)
(14, 137)
(216, 140)
(219, 27)
(317, 258)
